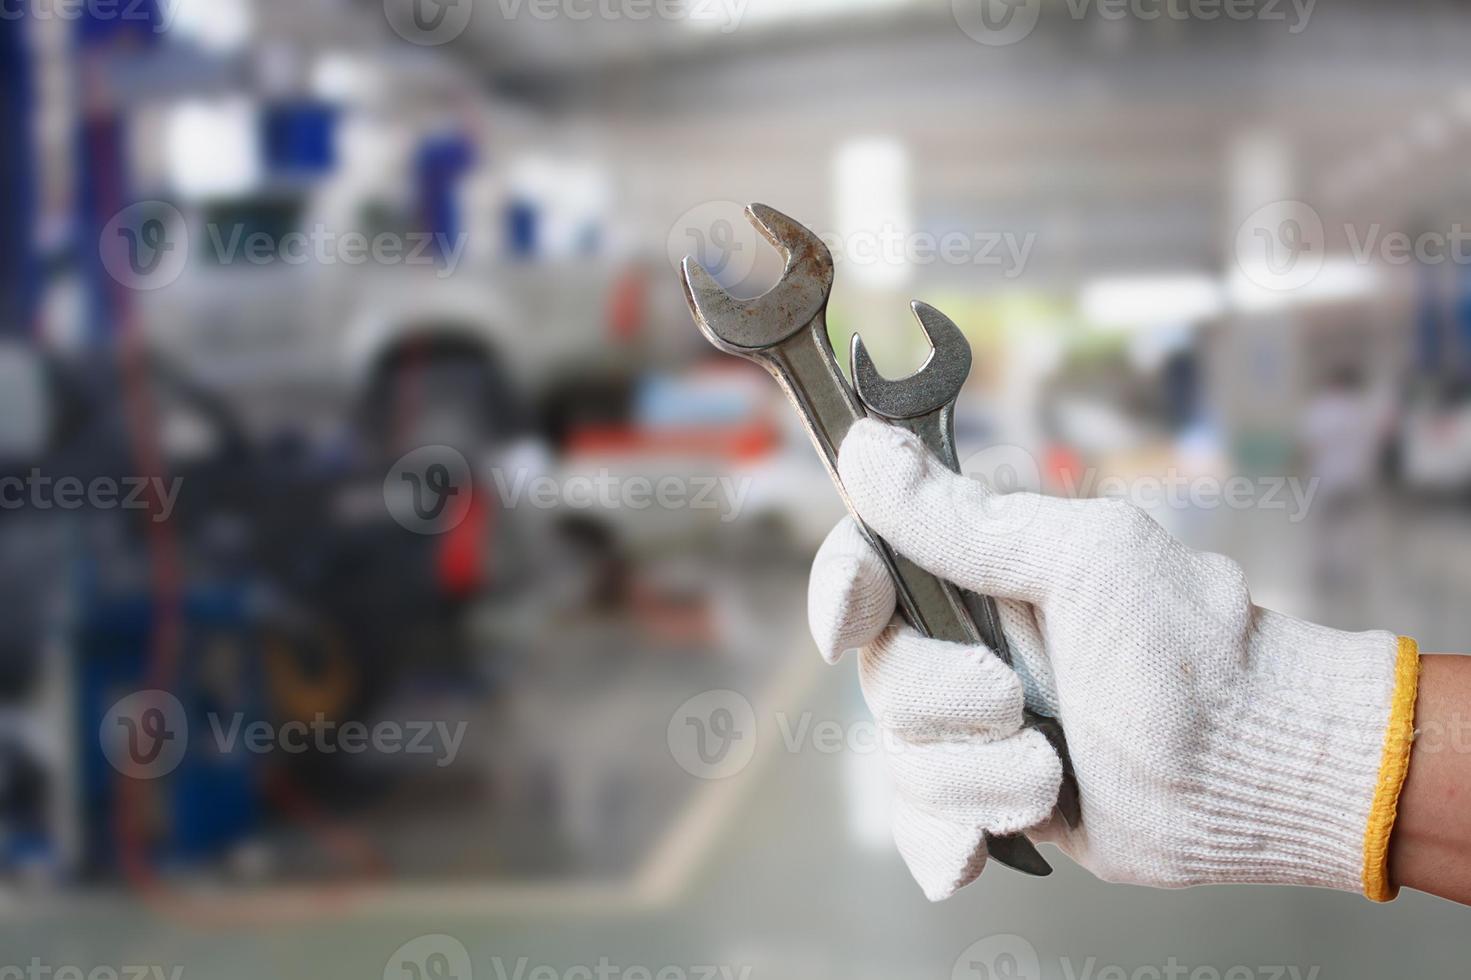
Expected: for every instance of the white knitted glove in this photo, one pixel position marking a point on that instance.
(1213, 740)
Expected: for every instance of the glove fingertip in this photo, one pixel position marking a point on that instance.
(833, 651)
(942, 857)
(850, 597)
(827, 602)
(843, 612)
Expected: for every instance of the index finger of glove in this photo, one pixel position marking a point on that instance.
(994, 544)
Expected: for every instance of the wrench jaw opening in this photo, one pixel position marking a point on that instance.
(746, 327)
(949, 350)
(930, 389)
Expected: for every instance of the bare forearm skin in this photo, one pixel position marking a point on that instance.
(1430, 850)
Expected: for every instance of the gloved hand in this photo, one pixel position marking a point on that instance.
(1213, 740)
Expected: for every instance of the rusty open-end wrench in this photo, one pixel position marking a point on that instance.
(924, 403)
(785, 331)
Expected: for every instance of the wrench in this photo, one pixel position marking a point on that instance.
(924, 403)
(785, 331)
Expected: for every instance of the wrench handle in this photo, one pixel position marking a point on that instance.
(807, 370)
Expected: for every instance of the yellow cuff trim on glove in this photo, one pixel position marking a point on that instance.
(1394, 765)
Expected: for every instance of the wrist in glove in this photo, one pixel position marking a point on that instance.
(1213, 740)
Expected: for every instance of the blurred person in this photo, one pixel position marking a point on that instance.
(1343, 433)
(1213, 740)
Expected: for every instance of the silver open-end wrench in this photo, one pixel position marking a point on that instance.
(785, 331)
(924, 403)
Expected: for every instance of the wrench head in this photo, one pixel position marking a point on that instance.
(748, 326)
(936, 384)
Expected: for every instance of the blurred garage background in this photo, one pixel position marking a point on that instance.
(474, 580)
